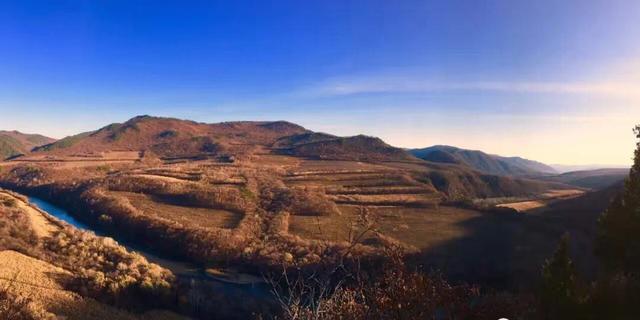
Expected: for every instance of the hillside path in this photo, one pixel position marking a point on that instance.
(41, 225)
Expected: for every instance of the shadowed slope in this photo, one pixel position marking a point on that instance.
(592, 179)
(481, 161)
(358, 148)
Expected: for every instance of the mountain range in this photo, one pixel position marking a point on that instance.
(592, 179)
(563, 168)
(481, 161)
(170, 138)
(451, 168)
(15, 143)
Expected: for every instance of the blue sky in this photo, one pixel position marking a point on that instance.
(556, 81)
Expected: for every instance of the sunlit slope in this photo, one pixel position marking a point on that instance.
(14, 143)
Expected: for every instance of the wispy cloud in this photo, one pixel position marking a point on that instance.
(617, 80)
(397, 84)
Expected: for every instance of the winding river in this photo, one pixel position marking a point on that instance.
(181, 269)
(177, 267)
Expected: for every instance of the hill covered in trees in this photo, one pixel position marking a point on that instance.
(478, 160)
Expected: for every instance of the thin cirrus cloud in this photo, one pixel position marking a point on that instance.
(390, 85)
(615, 80)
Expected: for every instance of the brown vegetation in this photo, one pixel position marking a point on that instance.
(358, 148)
(173, 138)
(14, 143)
(260, 195)
(269, 212)
(392, 291)
(16, 307)
(104, 269)
(71, 262)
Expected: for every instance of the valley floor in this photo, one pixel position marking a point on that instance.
(256, 216)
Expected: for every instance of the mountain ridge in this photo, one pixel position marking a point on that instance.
(484, 162)
(597, 179)
(173, 139)
(15, 143)
(170, 137)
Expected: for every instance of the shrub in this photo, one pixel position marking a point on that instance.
(9, 202)
(559, 284)
(14, 306)
(105, 269)
(390, 292)
(16, 232)
(297, 200)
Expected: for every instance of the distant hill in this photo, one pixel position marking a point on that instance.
(173, 139)
(562, 168)
(462, 182)
(14, 143)
(168, 137)
(478, 160)
(328, 147)
(592, 179)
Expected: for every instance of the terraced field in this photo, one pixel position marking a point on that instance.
(543, 201)
(402, 208)
(165, 208)
(265, 209)
(357, 183)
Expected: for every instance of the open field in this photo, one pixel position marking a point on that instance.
(86, 157)
(420, 228)
(543, 200)
(103, 159)
(358, 183)
(188, 216)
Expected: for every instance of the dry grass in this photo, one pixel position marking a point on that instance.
(408, 200)
(65, 266)
(260, 210)
(328, 165)
(165, 178)
(41, 282)
(39, 223)
(276, 161)
(283, 212)
(524, 205)
(379, 190)
(187, 216)
(83, 160)
(543, 200)
(562, 193)
(172, 200)
(416, 227)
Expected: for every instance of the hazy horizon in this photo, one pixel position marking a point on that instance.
(549, 81)
(578, 166)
